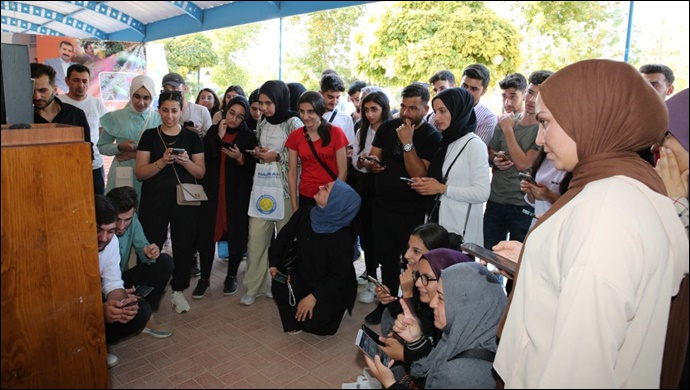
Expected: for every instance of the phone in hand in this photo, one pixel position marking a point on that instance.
(189, 124)
(373, 335)
(501, 155)
(375, 161)
(370, 347)
(489, 256)
(280, 278)
(178, 151)
(527, 177)
(228, 145)
(249, 150)
(142, 291)
(407, 179)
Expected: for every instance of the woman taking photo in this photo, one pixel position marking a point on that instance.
(123, 128)
(315, 297)
(319, 146)
(459, 172)
(592, 309)
(160, 170)
(228, 183)
(273, 130)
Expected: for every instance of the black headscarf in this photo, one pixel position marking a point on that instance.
(296, 90)
(279, 94)
(463, 120)
(242, 101)
(253, 98)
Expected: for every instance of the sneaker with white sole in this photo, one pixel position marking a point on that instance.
(247, 300)
(367, 295)
(362, 279)
(179, 302)
(113, 360)
(153, 328)
(269, 285)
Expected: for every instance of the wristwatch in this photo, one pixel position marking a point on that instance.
(278, 157)
(408, 147)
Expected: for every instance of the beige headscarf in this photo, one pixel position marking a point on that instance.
(610, 111)
(142, 81)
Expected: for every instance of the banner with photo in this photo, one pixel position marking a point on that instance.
(113, 64)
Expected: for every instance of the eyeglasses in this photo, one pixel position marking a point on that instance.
(232, 114)
(425, 279)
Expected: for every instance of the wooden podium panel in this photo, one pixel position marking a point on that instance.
(53, 332)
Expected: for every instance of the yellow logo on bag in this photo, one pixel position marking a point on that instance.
(266, 204)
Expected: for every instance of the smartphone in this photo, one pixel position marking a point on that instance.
(375, 161)
(501, 155)
(527, 177)
(376, 282)
(249, 150)
(489, 256)
(280, 278)
(178, 151)
(374, 336)
(407, 179)
(228, 145)
(370, 347)
(134, 302)
(142, 291)
(188, 124)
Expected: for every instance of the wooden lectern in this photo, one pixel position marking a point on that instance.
(53, 332)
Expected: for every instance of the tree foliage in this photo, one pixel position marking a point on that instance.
(230, 44)
(189, 52)
(415, 39)
(328, 45)
(558, 33)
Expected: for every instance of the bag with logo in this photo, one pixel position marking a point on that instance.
(266, 200)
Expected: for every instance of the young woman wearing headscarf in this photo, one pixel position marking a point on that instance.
(122, 128)
(467, 306)
(323, 283)
(463, 161)
(296, 90)
(276, 124)
(254, 110)
(228, 184)
(597, 272)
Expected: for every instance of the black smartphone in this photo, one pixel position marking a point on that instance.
(178, 151)
(228, 145)
(489, 256)
(280, 278)
(527, 177)
(142, 291)
(188, 124)
(374, 336)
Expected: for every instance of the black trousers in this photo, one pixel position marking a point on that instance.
(117, 331)
(156, 275)
(365, 227)
(325, 319)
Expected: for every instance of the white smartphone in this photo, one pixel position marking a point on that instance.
(370, 347)
(407, 179)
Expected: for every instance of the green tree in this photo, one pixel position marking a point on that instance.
(190, 53)
(559, 33)
(414, 39)
(231, 44)
(328, 45)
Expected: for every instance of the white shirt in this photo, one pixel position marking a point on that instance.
(371, 133)
(548, 175)
(109, 264)
(343, 121)
(197, 114)
(94, 109)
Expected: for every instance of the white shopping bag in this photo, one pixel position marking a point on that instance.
(266, 200)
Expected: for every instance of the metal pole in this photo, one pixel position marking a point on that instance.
(198, 78)
(280, 51)
(627, 38)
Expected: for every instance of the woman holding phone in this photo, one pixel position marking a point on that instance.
(159, 170)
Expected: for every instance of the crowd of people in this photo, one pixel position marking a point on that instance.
(582, 180)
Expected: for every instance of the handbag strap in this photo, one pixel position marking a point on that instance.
(445, 179)
(313, 150)
(475, 353)
(335, 112)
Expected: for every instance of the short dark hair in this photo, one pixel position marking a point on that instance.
(105, 211)
(86, 44)
(329, 71)
(513, 80)
(79, 68)
(478, 72)
(332, 82)
(659, 68)
(38, 70)
(355, 87)
(539, 76)
(68, 43)
(415, 90)
(444, 75)
(123, 199)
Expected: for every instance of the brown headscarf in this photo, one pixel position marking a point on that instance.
(610, 111)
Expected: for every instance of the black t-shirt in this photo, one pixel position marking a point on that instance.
(389, 187)
(166, 180)
(69, 115)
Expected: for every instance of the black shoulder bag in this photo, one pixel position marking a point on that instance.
(313, 150)
(433, 214)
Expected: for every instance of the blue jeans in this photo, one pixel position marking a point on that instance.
(500, 219)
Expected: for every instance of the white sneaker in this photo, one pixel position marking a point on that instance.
(269, 284)
(362, 278)
(247, 300)
(179, 302)
(113, 360)
(367, 295)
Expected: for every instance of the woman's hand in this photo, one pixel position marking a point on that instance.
(305, 307)
(127, 146)
(372, 163)
(393, 347)
(181, 159)
(508, 249)
(407, 283)
(124, 156)
(266, 154)
(383, 295)
(273, 271)
(427, 186)
(407, 325)
(222, 128)
(381, 372)
(675, 181)
(233, 152)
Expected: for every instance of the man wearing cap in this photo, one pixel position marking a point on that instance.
(191, 112)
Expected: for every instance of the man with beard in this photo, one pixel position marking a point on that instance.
(403, 147)
(49, 109)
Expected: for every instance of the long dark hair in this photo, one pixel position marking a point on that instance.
(432, 235)
(235, 88)
(216, 103)
(319, 104)
(381, 99)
